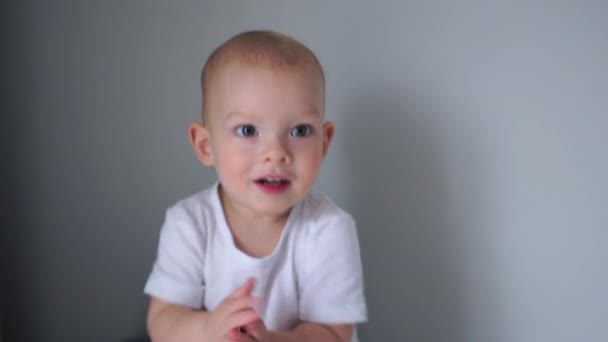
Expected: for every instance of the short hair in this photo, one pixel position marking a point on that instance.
(259, 48)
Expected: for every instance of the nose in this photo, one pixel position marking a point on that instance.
(276, 150)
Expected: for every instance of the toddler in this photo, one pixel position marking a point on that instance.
(258, 256)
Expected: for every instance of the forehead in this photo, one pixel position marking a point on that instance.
(251, 88)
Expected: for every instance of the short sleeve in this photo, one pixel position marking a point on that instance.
(177, 274)
(331, 288)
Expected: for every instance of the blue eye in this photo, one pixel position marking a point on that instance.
(246, 130)
(301, 131)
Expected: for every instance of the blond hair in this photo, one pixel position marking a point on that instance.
(259, 48)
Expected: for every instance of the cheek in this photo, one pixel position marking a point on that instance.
(232, 156)
(310, 156)
(308, 148)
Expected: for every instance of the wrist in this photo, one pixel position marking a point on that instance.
(271, 336)
(282, 336)
(203, 319)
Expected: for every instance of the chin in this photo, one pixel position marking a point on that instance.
(273, 208)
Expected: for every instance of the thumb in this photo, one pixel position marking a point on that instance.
(245, 289)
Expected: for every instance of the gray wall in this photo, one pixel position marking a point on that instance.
(471, 149)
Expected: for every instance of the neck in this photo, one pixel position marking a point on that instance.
(254, 234)
(238, 217)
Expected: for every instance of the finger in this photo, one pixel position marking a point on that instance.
(241, 318)
(245, 289)
(236, 335)
(254, 329)
(239, 304)
(240, 338)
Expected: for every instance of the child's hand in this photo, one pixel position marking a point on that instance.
(257, 331)
(234, 312)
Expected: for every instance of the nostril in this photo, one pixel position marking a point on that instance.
(276, 155)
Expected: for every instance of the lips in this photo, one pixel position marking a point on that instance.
(272, 181)
(273, 184)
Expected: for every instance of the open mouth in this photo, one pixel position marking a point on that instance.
(273, 185)
(272, 181)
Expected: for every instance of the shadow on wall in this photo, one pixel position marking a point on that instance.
(397, 181)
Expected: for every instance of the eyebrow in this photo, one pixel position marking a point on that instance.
(232, 115)
(250, 115)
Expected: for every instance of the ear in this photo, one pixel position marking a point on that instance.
(328, 135)
(201, 142)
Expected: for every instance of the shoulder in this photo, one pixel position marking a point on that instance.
(192, 213)
(330, 277)
(320, 216)
(193, 207)
(178, 272)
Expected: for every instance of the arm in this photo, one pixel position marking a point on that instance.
(333, 286)
(304, 332)
(314, 332)
(172, 322)
(335, 261)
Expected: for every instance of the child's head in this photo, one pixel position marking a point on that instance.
(264, 129)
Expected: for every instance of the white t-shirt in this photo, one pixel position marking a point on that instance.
(314, 274)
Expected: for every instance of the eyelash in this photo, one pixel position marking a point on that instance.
(308, 131)
(248, 130)
(240, 130)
